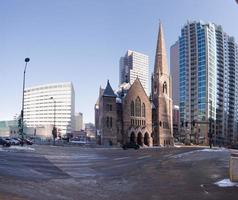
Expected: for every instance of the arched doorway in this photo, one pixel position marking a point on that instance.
(132, 137)
(139, 139)
(146, 139)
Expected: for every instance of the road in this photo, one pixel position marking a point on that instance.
(69, 173)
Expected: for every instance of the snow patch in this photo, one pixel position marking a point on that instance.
(226, 183)
(214, 150)
(22, 148)
(199, 150)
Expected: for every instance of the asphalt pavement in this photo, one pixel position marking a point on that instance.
(71, 173)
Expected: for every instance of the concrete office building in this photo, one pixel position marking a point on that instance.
(41, 110)
(134, 65)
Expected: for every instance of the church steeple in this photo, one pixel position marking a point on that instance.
(160, 66)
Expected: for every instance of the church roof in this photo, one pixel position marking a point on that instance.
(108, 92)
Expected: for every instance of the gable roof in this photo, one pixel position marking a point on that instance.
(137, 81)
(108, 92)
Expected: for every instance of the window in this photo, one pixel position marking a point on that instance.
(109, 107)
(107, 122)
(110, 122)
(165, 87)
(143, 110)
(138, 107)
(132, 109)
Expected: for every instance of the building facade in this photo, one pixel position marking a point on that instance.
(133, 65)
(125, 115)
(207, 84)
(47, 104)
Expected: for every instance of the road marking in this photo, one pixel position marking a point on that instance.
(122, 158)
(142, 157)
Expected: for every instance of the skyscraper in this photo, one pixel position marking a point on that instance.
(133, 65)
(174, 68)
(161, 96)
(207, 83)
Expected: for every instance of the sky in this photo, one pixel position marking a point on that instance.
(82, 41)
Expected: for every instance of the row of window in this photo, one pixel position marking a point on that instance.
(137, 122)
(137, 109)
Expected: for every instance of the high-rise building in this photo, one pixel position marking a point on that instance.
(47, 104)
(162, 96)
(174, 68)
(208, 83)
(134, 65)
(78, 121)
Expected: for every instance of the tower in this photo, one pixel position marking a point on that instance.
(161, 96)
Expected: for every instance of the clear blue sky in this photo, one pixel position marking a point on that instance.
(82, 41)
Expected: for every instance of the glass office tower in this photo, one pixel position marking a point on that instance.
(208, 84)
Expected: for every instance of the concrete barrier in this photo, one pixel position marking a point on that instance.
(234, 166)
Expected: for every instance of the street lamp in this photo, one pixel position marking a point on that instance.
(54, 131)
(210, 122)
(22, 110)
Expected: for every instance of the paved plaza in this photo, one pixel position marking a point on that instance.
(62, 173)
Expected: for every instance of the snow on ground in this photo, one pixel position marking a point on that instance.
(226, 183)
(24, 148)
(181, 155)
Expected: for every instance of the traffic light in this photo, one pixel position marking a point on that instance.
(194, 123)
(19, 123)
(186, 124)
(181, 124)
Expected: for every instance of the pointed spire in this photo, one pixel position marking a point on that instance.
(160, 56)
(108, 92)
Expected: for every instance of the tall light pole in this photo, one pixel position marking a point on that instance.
(22, 110)
(54, 132)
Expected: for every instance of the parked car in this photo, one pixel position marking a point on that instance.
(131, 146)
(5, 142)
(14, 141)
(234, 146)
(25, 141)
(28, 142)
(77, 141)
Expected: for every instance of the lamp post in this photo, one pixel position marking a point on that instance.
(54, 132)
(210, 122)
(22, 110)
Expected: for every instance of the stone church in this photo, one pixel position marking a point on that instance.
(129, 115)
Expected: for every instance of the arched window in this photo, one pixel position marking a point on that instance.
(143, 110)
(132, 108)
(138, 107)
(165, 87)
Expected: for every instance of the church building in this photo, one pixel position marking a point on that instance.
(129, 115)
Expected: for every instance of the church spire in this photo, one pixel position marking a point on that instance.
(161, 66)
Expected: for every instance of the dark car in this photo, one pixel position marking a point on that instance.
(28, 141)
(234, 146)
(130, 146)
(4, 142)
